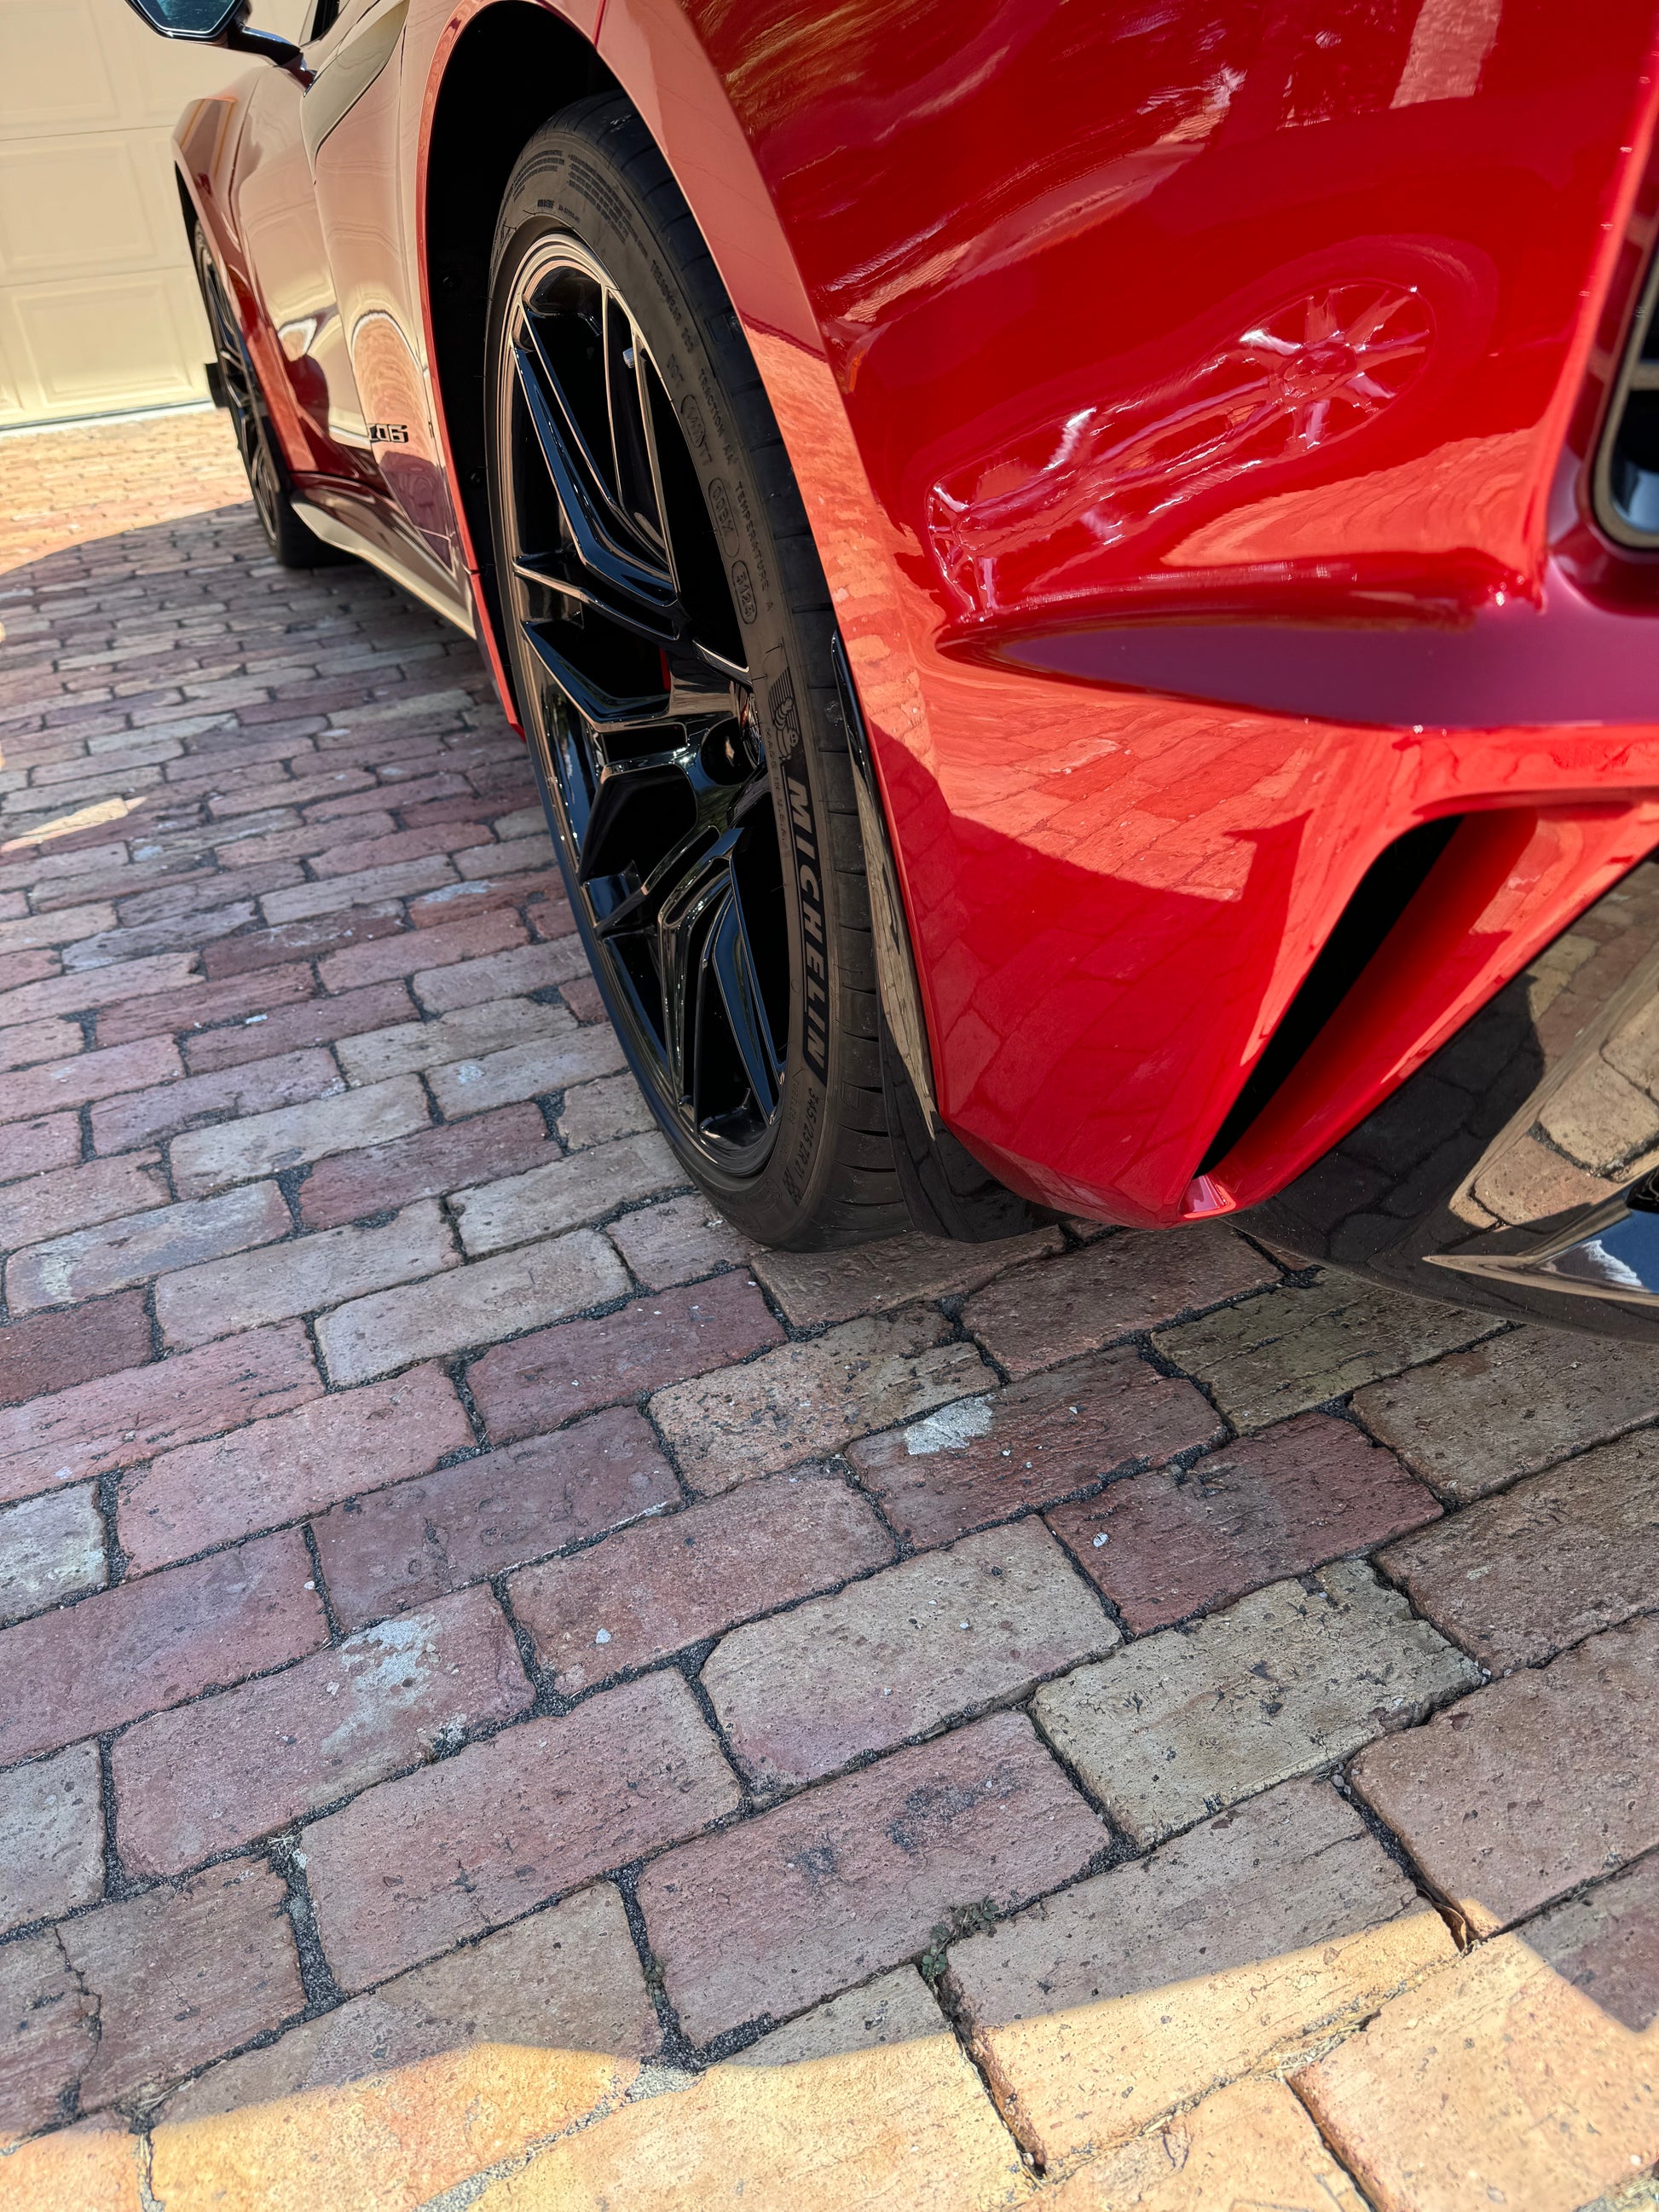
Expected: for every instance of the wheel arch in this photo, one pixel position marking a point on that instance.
(500, 71)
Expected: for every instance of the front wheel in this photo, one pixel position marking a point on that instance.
(671, 641)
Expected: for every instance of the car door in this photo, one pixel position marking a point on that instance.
(351, 121)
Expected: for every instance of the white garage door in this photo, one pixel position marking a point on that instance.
(97, 304)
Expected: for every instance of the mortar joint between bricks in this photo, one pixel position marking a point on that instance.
(956, 2019)
(322, 1992)
(678, 2049)
(545, 1698)
(335, 1635)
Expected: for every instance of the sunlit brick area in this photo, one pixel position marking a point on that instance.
(505, 1683)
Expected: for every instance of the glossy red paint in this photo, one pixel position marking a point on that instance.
(1191, 399)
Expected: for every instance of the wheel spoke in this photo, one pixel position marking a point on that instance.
(734, 969)
(580, 494)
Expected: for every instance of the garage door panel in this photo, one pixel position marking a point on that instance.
(54, 69)
(98, 309)
(129, 337)
(84, 207)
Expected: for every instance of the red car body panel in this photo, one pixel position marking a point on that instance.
(1191, 400)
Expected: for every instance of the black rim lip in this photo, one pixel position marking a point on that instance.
(733, 1166)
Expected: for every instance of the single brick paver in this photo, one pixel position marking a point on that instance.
(1123, 1286)
(341, 1249)
(206, 1160)
(1560, 1556)
(1140, 1988)
(405, 1544)
(157, 1642)
(554, 1373)
(536, 1810)
(50, 1353)
(1473, 1421)
(1292, 1499)
(1539, 1782)
(678, 1241)
(568, 1976)
(667, 1583)
(984, 1458)
(472, 1305)
(804, 1399)
(197, 1782)
(198, 1303)
(1290, 1349)
(406, 1044)
(51, 1548)
(1192, 1720)
(933, 1639)
(143, 1245)
(51, 1837)
(288, 1465)
(826, 1890)
(564, 1193)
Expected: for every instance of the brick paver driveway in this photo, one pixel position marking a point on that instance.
(460, 1595)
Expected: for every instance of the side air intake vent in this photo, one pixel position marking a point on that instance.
(1388, 888)
(1627, 465)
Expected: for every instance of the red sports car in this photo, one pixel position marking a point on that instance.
(1082, 581)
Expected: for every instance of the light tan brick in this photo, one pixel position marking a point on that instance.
(412, 1046)
(1247, 2146)
(475, 1304)
(1190, 1719)
(205, 1160)
(805, 1400)
(305, 1273)
(824, 1287)
(565, 1193)
(525, 1071)
(929, 1641)
(1118, 2000)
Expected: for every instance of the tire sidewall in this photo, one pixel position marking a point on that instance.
(558, 190)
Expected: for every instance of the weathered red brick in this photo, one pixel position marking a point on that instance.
(668, 1582)
(154, 1643)
(428, 948)
(302, 1276)
(1118, 1287)
(353, 927)
(78, 1197)
(177, 1976)
(403, 1545)
(428, 1165)
(207, 1778)
(289, 1465)
(412, 1867)
(118, 1254)
(29, 1148)
(543, 1378)
(96, 987)
(49, 1352)
(982, 1459)
(176, 1013)
(50, 2025)
(902, 1653)
(128, 1416)
(144, 1116)
(34, 1091)
(851, 1877)
(319, 1021)
(1165, 1545)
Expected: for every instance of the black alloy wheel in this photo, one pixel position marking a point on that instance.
(669, 636)
(294, 546)
(656, 756)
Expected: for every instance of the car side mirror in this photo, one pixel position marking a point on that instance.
(217, 23)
